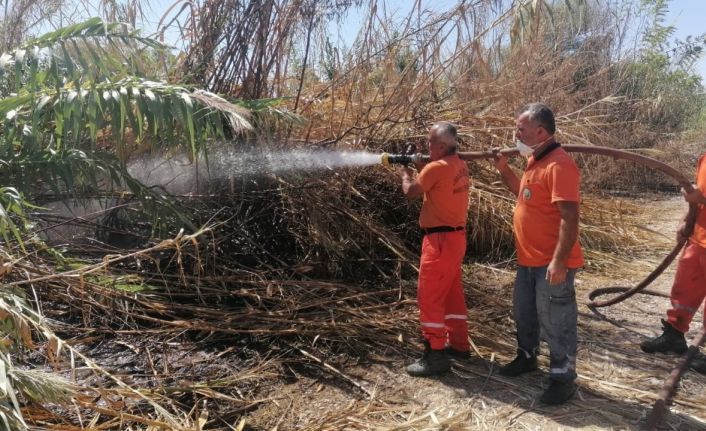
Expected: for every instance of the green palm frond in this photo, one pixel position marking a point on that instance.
(70, 115)
(73, 172)
(89, 51)
(94, 27)
(12, 212)
(235, 114)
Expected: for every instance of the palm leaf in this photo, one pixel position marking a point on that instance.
(94, 27)
(90, 50)
(153, 106)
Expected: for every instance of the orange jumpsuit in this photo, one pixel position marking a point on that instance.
(442, 306)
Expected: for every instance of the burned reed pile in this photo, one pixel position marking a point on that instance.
(276, 290)
(287, 277)
(310, 276)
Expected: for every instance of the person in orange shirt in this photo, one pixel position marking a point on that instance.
(444, 184)
(689, 288)
(546, 227)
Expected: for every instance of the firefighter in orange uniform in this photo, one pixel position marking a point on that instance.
(444, 184)
(546, 225)
(689, 288)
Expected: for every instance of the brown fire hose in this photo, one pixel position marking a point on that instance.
(670, 385)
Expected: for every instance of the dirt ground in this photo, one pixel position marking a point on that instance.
(618, 383)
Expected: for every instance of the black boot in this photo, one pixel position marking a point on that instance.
(520, 365)
(671, 341)
(558, 392)
(433, 362)
(462, 355)
(698, 364)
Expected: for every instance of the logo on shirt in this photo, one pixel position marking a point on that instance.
(526, 193)
(461, 177)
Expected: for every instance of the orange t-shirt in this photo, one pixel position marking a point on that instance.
(445, 183)
(536, 220)
(699, 235)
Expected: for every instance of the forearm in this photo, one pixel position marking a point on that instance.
(411, 188)
(568, 234)
(696, 197)
(511, 180)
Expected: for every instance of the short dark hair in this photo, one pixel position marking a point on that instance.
(540, 114)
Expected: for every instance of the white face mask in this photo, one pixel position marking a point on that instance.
(524, 149)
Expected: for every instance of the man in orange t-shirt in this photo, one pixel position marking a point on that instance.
(689, 288)
(444, 184)
(546, 226)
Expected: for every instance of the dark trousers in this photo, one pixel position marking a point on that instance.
(547, 312)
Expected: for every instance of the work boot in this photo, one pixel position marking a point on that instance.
(520, 365)
(462, 355)
(558, 392)
(671, 341)
(698, 364)
(433, 362)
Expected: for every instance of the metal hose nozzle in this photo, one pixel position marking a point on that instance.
(401, 159)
